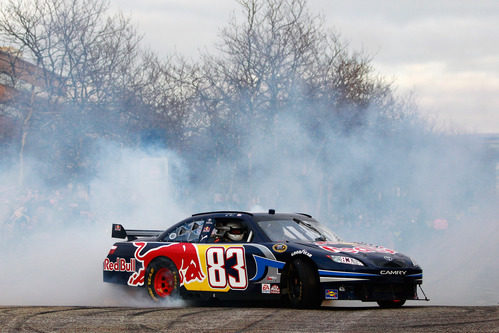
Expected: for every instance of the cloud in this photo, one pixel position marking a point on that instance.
(178, 26)
(398, 35)
(456, 99)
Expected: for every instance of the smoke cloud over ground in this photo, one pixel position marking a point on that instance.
(54, 255)
(429, 195)
(424, 197)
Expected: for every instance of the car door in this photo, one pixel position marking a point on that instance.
(223, 261)
(234, 267)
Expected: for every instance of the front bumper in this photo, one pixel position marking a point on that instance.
(367, 286)
(369, 291)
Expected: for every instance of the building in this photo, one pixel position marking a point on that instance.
(18, 76)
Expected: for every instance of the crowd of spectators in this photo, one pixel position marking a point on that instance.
(26, 210)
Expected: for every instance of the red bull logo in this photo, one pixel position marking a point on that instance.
(184, 256)
(120, 265)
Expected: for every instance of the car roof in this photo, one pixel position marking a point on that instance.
(251, 218)
(270, 215)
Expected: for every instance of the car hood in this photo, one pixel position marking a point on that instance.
(371, 255)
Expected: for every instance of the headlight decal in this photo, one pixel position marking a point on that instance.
(345, 260)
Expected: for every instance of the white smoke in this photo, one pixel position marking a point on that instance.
(403, 190)
(426, 194)
(391, 183)
(54, 255)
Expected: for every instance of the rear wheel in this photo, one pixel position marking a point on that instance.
(302, 285)
(162, 280)
(392, 304)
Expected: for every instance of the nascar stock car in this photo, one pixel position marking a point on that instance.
(232, 255)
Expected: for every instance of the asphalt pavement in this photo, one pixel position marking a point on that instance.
(249, 319)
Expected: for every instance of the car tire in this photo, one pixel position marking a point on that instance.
(302, 285)
(391, 304)
(162, 279)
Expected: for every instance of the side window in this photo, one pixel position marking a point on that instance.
(188, 232)
(229, 230)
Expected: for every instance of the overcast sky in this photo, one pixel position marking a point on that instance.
(446, 53)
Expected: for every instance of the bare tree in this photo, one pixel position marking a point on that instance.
(280, 57)
(83, 58)
(166, 88)
(280, 60)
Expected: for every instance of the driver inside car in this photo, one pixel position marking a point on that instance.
(229, 232)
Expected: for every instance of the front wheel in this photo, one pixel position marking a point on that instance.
(302, 285)
(392, 304)
(162, 279)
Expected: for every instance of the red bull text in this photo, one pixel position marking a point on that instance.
(120, 265)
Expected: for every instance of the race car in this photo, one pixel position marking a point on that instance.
(231, 255)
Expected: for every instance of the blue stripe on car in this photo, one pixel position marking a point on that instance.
(262, 263)
(415, 275)
(348, 274)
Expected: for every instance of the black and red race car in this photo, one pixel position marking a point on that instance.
(232, 255)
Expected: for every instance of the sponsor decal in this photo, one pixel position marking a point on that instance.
(331, 294)
(274, 289)
(279, 247)
(206, 229)
(265, 288)
(117, 227)
(120, 265)
(393, 273)
(302, 251)
(358, 249)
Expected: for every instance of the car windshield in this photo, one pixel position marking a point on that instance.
(297, 230)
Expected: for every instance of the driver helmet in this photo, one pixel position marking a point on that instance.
(236, 232)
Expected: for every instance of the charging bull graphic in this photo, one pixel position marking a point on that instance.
(184, 256)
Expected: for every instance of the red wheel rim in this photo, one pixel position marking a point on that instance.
(163, 282)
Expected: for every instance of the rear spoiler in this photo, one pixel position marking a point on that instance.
(120, 232)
